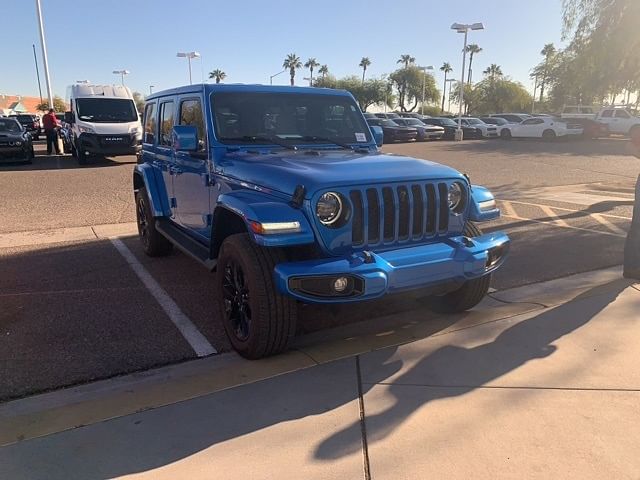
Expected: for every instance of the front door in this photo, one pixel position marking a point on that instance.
(165, 158)
(191, 174)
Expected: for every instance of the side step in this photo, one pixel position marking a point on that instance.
(184, 242)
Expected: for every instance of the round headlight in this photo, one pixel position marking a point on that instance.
(329, 208)
(455, 197)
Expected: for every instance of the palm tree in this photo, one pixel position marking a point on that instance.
(292, 62)
(364, 63)
(446, 68)
(406, 59)
(472, 49)
(218, 74)
(311, 64)
(548, 52)
(324, 71)
(493, 72)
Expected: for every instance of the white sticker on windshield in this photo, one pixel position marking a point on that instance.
(361, 137)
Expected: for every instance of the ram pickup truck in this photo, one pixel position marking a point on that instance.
(285, 193)
(618, 120)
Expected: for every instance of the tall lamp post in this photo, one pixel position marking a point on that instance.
(275, 75)
(189, 56)
(463, 28)
(449, 81)
(45, 61)
(424, 85)
(122, 73)
(151, 89)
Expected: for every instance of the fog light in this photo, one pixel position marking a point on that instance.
(340, 284)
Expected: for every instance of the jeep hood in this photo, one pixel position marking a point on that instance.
(283, 171)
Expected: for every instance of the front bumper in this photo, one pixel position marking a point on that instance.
(108, 145)
(9, 153)
(446, 264)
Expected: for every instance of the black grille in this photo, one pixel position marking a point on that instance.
(402, 213)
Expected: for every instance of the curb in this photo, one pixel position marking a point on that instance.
(61, 410)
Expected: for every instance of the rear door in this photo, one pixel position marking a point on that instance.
(606, 117)
(164, 157)
(192, 171)
(622, 121)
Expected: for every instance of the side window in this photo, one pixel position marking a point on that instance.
(166, 123)
(149, 123)
(531, 121)
(191, 114)
(622, 114)
(607, 114)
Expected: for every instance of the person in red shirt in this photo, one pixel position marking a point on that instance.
(50, 124)
(632, 244)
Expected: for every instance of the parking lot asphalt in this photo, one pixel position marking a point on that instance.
(73, 312)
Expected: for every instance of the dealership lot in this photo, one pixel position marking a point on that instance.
(79, 304)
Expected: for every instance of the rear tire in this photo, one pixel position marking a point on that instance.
(153, 242)
(258, 320)
(470, 293)
(505, 134)
(549, 135)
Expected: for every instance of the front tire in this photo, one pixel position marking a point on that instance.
(470, 293)
(258, 320)
(153, 242)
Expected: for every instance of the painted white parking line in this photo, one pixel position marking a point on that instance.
(189, 331)
(606, 223)
(530, 220)
(508, 209)
(518, 202)
(554, 216)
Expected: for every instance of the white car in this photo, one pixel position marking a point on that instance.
(541, 127)
(488, 131)
(619, 121)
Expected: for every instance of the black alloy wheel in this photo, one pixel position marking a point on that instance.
(237, 306)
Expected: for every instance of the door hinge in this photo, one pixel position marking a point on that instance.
(173, 202)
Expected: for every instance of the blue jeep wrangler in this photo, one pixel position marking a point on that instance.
(285, 193)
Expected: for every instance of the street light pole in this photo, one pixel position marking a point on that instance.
(535, 87)
(424, 84)
(449, 81)
(189, 56)
(151, 89)
(47, 78)
(275, 75)
(122, 73)
(463, 28)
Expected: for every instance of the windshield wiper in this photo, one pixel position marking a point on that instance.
(258, 138)
(346, 146)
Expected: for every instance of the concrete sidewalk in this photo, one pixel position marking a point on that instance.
(550, 393)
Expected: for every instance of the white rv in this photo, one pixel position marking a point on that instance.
(103, 121)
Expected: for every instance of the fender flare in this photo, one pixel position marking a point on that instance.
(483, 207)
(145, 175)
(257, 207)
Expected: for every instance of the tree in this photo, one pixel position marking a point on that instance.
(472, 49)
(292, 62)
(364, 63)
(548, 52)
(493, 71)
(406, 59)
(218, 74)
(324, 71)
(409, 82)
(138, 98)
(58, 105)
(311, 64)
(494, 94)
(446, 68)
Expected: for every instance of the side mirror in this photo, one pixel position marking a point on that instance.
(185, 138)
(378, 134)
(68, 117)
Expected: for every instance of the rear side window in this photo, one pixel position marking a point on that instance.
(150, 123)
(166, 123)
(191, 114)
(622, 114)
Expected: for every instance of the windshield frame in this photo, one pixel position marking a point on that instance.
(83, 102)
(260, 139)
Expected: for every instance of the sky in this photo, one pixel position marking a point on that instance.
(249, 39)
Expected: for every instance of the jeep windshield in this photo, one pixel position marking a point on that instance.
(106, 110)
(259, 118)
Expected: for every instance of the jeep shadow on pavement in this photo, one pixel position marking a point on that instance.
(285, 193)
